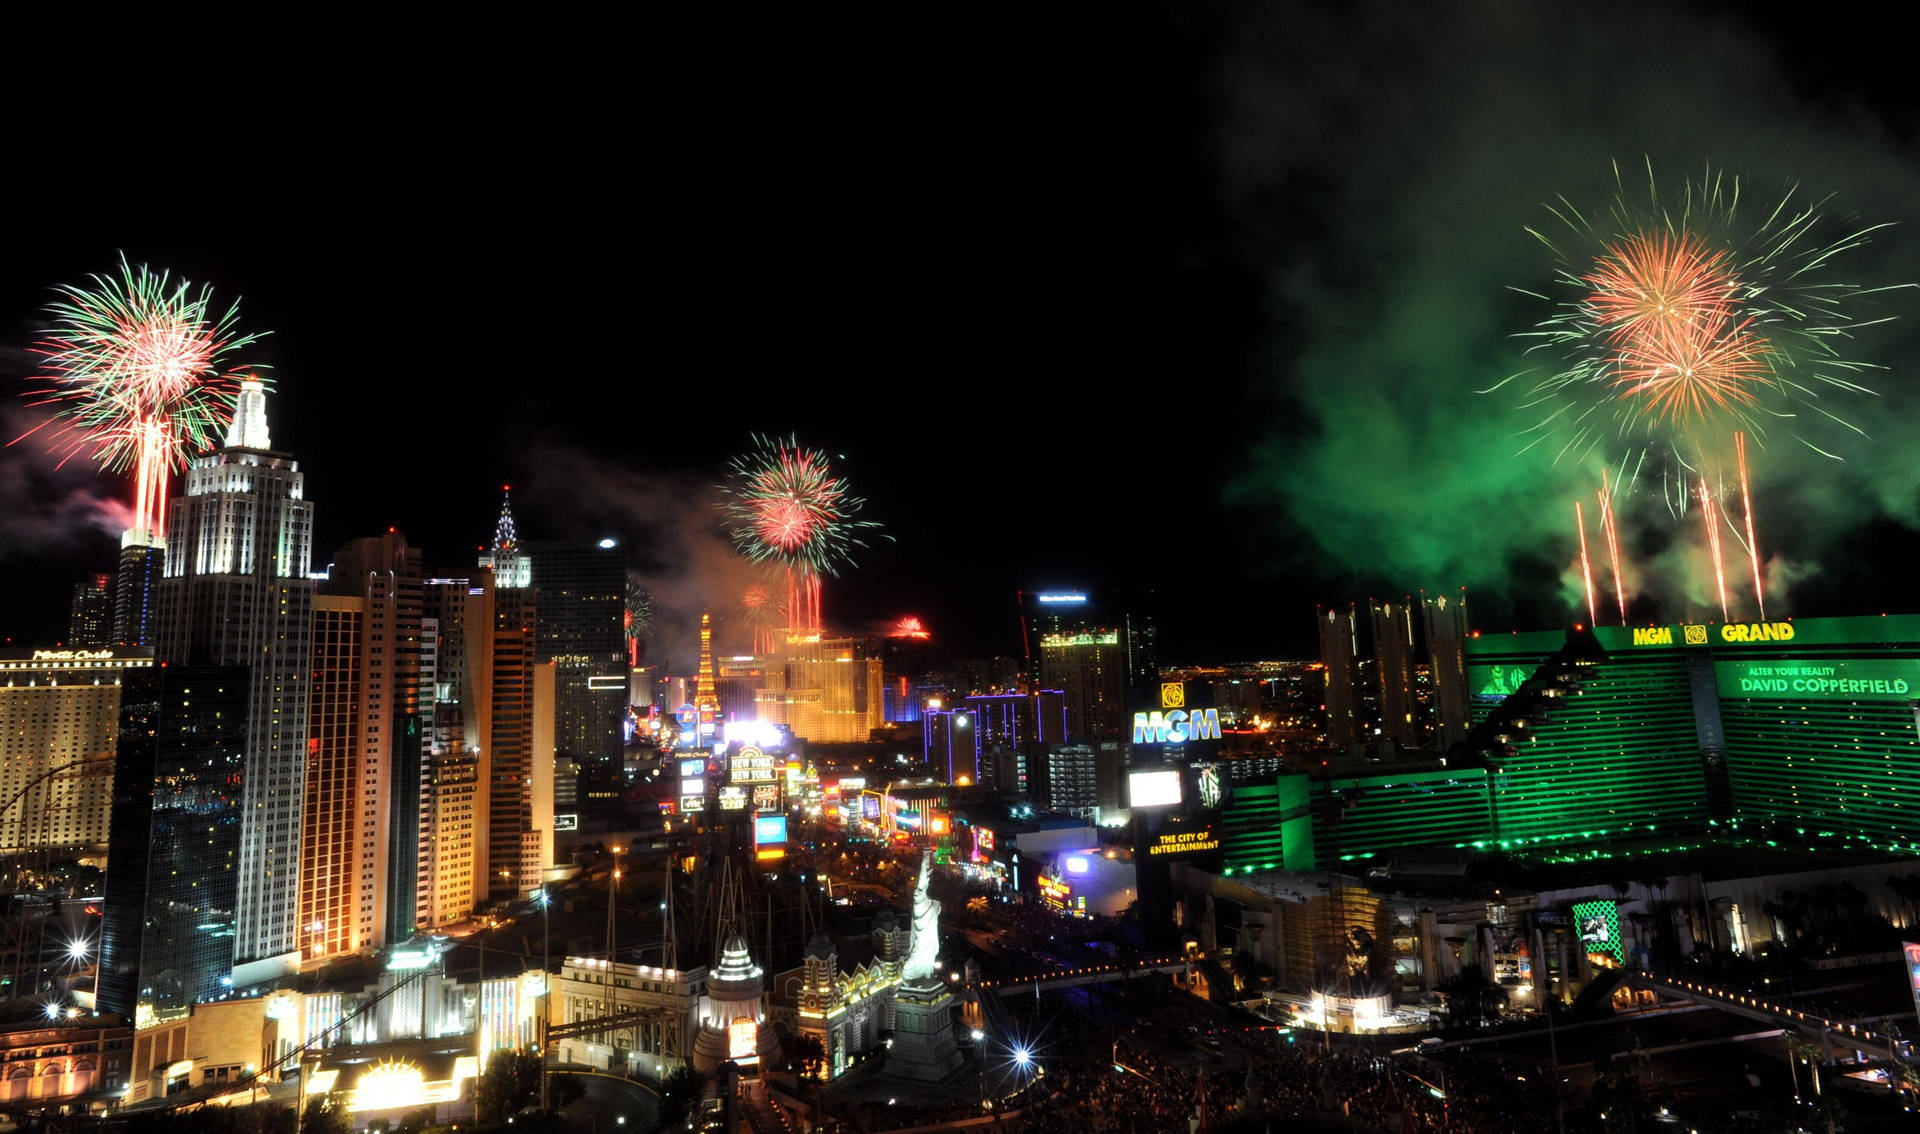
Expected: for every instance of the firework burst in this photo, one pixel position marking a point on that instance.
(764, 612)
(637, 618)
(137, 374)
(785, 505)
(1689, 323)
(1688, 317)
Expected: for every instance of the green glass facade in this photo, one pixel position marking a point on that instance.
(1614, 754)
(1800, 728)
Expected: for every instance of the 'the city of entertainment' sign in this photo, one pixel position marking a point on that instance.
(1176, 727)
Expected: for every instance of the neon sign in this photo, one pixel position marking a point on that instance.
(1061, 597)
(1057, 641)
(752, 766)
(1184, 843)
(1176, 727)
(1732, 633)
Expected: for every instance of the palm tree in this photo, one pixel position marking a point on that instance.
(1907, 889)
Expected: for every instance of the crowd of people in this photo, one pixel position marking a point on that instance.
(1288, 1082)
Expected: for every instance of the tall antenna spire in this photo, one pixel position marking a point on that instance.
(511, 567)
(505, 541)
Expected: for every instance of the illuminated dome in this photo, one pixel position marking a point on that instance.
(736, 964)
(733, 1011)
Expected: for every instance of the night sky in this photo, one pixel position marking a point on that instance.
(1193, 305)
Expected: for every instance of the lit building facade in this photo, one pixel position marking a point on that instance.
(341, 883)
(136, 583)
(1654, 734)
(174, 839)
(1089, 668)
(46, 1067)
(90, 618)
(236, 592)
(733, 1013)
(1393, 669)
(581, 590)
(486, 825)
(383, 573)
(1337, 652)
(661, 1007)
(827, 690)
(1446, 622)
(59, 722)
(848, 1012)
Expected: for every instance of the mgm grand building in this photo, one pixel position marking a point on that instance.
(1803, 729)
(1752, 757)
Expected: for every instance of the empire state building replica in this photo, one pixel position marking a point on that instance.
(236, 592)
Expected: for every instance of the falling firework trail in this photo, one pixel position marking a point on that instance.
(1753, 545)
(1586, 572)
(1711, 514)
(1613, 543)
(786, 505)
(138, 376)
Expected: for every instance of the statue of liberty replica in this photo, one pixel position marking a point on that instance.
(923, 1044)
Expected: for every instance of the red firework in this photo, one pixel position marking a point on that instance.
(1649, 283)
(1682, 373)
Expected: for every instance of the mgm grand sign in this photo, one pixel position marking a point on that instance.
(1728, 633)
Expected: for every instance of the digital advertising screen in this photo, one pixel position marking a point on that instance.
(768, 829)
(1157, 788)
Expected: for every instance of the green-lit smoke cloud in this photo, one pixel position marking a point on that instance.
(1381, 165)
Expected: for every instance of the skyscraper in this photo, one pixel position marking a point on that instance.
(509, 763)
(344, 829)
(143, 558)
(1446, 637)
(512, 570)
(1393, 667)
(236, 592)
(828, 690)
(59, 717)
(453, 846)
(581, 594)
(383, 573)
(90, 620)
(1090, 668)
(175, 838)
(1337, 649)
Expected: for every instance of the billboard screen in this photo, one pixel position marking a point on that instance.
(768, 829)
(1157, 788)
(1910, 952)
(1598, 924)
(693, 769)
(870, 808)
(752, 766)
(1828, 679)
